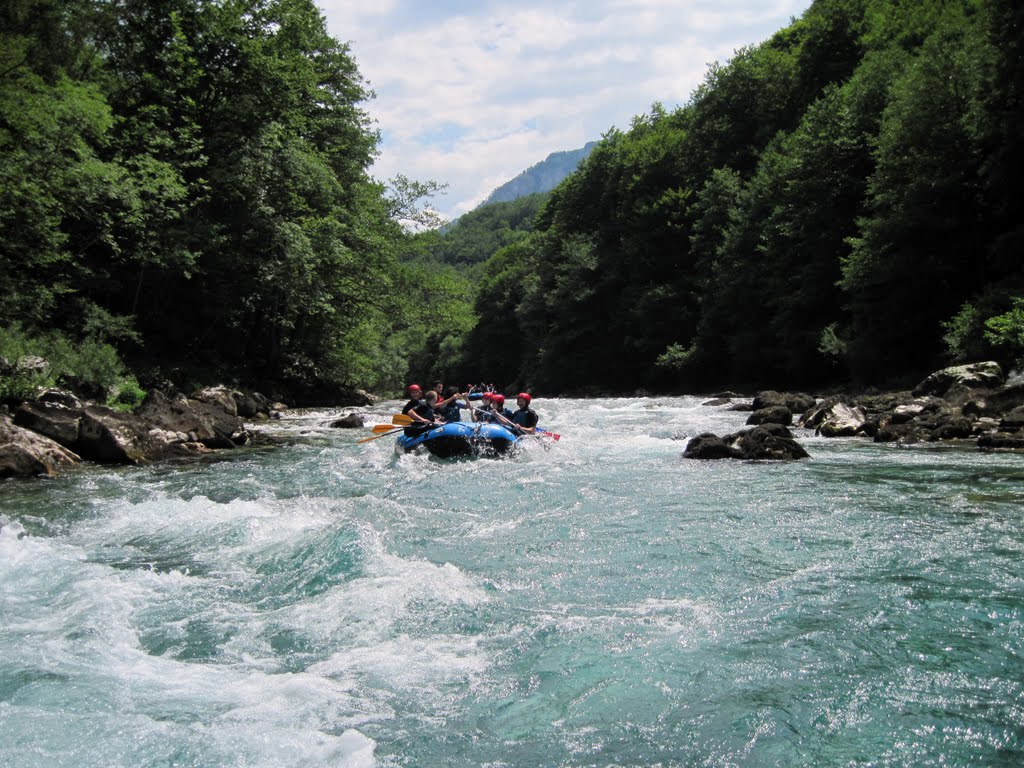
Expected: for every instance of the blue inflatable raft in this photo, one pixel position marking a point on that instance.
(458, 439)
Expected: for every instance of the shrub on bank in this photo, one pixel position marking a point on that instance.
(30, 362)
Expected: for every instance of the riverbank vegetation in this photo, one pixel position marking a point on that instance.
(835, 204)
(184, 186)
(185, 191)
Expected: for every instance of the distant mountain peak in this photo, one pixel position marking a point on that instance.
(542, 177)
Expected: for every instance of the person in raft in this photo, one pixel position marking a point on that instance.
(483, 413)
(497, 412)
(449, 409)
(415, 393)
(423, 415)
(525, 418)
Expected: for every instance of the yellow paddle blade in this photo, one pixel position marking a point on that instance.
(401, 418)
(378, 428)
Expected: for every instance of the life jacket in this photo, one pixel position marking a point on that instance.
(526, 417)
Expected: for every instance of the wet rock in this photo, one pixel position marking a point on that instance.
(1013, 421)
(760, 444)
(709, 446)
(757, 444)
(1000, 441)
(208, 421)
(251, 405)
(24, 453)
(349, 421)
(840, 420)
(954, 428)
(900, 433)
(53, 420)
(796, 402)
(773, 414)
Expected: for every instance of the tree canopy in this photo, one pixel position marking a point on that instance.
(832, 205)
(197, 172)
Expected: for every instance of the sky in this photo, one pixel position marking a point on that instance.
(470, 94)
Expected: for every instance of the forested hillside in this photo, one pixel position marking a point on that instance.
(836, 204)
(183, 185)
(185, 195)
(476, 236)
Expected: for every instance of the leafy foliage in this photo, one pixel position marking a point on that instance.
(195, 175)
(827, 206)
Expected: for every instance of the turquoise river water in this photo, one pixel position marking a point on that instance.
(600, 602)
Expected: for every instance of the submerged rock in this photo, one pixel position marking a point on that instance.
(772, 414)
(797, 402)
(761, 443)
(349, 421)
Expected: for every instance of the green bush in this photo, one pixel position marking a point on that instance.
(1006, 331)
(126, 395)
(90, 364)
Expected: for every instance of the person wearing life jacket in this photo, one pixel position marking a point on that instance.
(483, 413)
(424, 416)
(415, 393)
(450, 409)
(497, 413)
(525, 418)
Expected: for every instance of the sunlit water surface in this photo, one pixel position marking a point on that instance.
(599, 602)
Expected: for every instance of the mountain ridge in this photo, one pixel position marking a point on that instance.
(540, 177)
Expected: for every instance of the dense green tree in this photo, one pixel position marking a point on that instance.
(919, 253)
(198, 170)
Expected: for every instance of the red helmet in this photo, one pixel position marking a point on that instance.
(487, 396)
(414, 388)
(524, 396)
(498, 400)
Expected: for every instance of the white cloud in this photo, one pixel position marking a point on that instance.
(472, 94)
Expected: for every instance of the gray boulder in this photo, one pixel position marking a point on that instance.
(219, 396)
(1013, 421)
(973, 376)
(24, 453)
(840, 420)
(112, 437)
(251, 405)
(772, 414)
(349, 421)
(53, 420)
(208, 422)
(709, 446)
(757, 444)
(796, 402)
(760, 444)
(953, 428)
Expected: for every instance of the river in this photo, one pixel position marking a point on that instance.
(599, 601)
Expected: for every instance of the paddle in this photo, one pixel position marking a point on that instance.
(378, 428)
(378, 437)
(403, 419)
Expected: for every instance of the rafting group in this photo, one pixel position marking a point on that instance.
(436, 425)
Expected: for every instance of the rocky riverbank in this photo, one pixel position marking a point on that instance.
(971, 404)
(58, 429)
